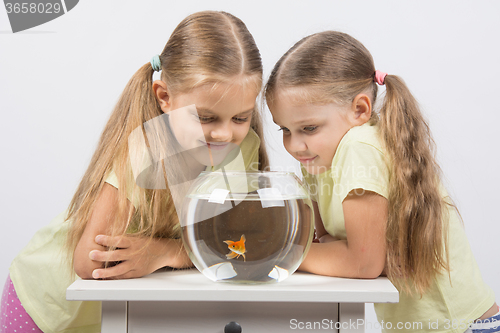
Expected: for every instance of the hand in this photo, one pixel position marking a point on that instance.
(136, 256)
(324, 239)
(328, 238)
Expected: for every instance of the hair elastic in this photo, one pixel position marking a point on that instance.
(156, 63)
(379, 77)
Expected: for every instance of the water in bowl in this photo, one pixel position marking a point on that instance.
(245, 238)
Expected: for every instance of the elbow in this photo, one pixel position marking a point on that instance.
(370, 264)
(83, 271)
(82, 264)
(370, 274)
(370, 271)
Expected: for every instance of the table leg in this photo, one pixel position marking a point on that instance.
(114, 317)
(351, 317)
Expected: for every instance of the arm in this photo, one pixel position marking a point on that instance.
(362, 255)
(138, 255)
(98, 224)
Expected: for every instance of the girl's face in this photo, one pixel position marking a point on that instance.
(311, 133)
(210, 121)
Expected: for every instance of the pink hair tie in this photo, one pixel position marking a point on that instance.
(379, 77)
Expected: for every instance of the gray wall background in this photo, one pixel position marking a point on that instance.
(59, 82)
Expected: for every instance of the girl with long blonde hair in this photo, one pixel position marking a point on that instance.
(379, 203)
(122, 221)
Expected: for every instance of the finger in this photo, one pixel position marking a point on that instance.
(103, 256)
(113, 272)
(113, 241)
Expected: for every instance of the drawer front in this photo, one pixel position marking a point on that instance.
(212, 317)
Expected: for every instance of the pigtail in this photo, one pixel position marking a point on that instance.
(153, 204)
(136, 105)
(415, 228)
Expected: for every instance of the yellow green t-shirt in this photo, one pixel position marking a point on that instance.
(41, 274)
(359, 164)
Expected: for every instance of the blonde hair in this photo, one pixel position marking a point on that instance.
(205, 48)
(334, 67)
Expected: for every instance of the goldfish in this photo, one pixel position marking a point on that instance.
(237, 248)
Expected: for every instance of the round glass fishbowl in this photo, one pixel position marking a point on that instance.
(247, 227)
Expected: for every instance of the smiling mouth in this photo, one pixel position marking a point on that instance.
(307, 160)
(216, 145)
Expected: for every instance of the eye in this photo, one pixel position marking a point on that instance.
(284, 129)
(205, 120)
(310, 129)
(240, 120)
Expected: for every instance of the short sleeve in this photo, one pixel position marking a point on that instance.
(362, 166)
(112, 179)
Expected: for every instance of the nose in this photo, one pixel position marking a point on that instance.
(295, 143)
(222, 132)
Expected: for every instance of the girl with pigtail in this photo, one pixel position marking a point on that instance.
(379, 203)
(122, 221)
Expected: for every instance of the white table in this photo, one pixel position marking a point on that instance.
(186, 301)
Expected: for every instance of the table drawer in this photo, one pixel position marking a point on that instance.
(212, 317)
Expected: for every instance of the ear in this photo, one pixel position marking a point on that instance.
(162, 95)
(361, 109)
